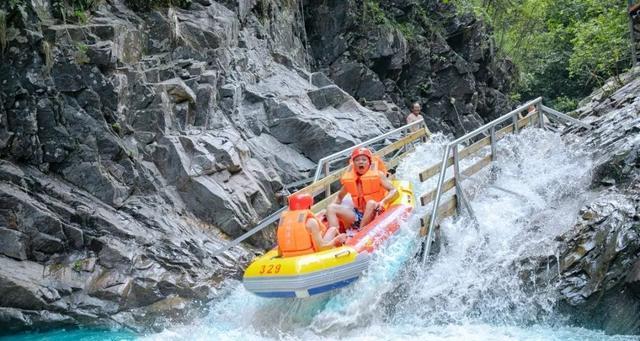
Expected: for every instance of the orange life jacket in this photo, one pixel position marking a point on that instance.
(365, 187)
(293, 237)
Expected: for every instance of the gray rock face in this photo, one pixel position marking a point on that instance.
(600, 257)
(437, 56)
(596, 270)
(597, 264)
(129, 143)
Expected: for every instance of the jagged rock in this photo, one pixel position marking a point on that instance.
(227, 148)
(21, 285)
(178, 90)
(128, 143)
(357, 80)
(172, 307)
(329, 96)
(93, 177)
(390, 110)
(633, 279)
(296, 167)
(101, 54)
(597, 269)
(389, 50)
(12, 244)
(320, 80)
(363, 56)
(15, 320)
(212, 28)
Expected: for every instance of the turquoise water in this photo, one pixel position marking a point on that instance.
(470, 292)
(73, 335)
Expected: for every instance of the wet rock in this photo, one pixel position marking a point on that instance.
(142, 292)
(17, 320)
(598, 257)
(21, 285)
(172, 307)
(138, 138)
(633, 279)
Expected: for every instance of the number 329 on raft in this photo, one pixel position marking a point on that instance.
(270, 269)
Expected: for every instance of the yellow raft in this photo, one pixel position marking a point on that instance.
(302, 276)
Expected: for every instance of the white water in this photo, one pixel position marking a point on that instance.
(471, 291)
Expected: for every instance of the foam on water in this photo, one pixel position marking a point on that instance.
(472, 290)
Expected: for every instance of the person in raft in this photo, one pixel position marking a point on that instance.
(369, 188)
(300, 232)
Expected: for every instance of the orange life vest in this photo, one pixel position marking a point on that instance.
(365, 187)
(293, 237)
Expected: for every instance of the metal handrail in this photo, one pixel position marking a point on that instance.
(342, 153)
(513, 115)
(273, 217)
(565, 116)
(497, 121)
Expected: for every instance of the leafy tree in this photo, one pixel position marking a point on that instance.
(563, 49)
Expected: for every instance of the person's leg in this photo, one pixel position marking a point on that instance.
(331, 233)
(336, 212)
(369, 213)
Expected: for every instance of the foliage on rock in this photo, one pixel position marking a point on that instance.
(563, 49)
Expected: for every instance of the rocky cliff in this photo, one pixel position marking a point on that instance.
(596, 271)
(132, 143)
(412, 51)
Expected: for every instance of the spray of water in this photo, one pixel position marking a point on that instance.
(472, 290)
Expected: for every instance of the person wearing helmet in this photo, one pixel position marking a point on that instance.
(369, 188)
(300, 232)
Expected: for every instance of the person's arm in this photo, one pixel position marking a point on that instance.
(340, 196)
(389, 187)
(313, 227)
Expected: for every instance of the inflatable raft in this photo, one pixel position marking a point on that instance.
(302, 276)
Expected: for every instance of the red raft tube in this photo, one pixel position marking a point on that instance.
(272, 275)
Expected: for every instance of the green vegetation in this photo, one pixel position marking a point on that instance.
(76, 11)
(116, 128)
(412, 25)
(371, 12)
(77, 265)
(55, 267)
(563, 49)
(11, 10)
(3, 31)
(80, 55)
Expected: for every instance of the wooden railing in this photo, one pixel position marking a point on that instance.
(535, 114)
(449, 207)
(323, 185)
